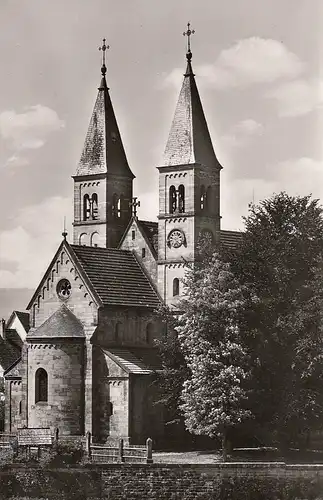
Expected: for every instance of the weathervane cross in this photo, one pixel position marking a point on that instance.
(104, 47)
(134, 204)
(189, 33)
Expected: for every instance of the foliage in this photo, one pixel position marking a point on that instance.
(174, 371)
(280, 259)
(214, 395)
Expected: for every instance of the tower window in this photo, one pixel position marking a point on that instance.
(20, 407)
(175, 287)
(172, 200)
(202, 199)
(181, 198)
(115, 206)
(94, 206)
(94, 240)
(86, 207)
(143, 253)
(133, 235)
(41, 385)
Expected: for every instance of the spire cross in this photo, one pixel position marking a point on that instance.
(104, 47)
(64, 233)
(189, 33)
(134, 204)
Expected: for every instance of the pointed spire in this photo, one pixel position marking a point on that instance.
(189, 140)
(103, 150)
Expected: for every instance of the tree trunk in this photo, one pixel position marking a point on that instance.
(224, 446)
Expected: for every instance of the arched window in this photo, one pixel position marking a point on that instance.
(121, 207)
(202, 198)
(95, 211)
(94, 240)
(41, 385)
(118, 332)
(209, 200)
(175, 287)
(172, 199)
(82, 239)
(149, 333)
(34, 315)
(86, 207)
(181, 198)
(20, 407)
(115, 205)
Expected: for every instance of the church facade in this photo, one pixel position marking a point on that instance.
(88, 359)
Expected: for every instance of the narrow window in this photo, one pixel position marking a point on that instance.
(120, 206)
(94, 206)
(143, 253)
(202, 198)
(175, 287)
(181, 198)
(172, 200)
(115, 205)
(20, 407)
(94, 241)
(41, 385)
(34, 315)
(86, 207)
(82, 240)
(133, 235)
(110, 409)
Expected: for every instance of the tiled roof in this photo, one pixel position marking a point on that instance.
(151, 232)
(230, 239)
(139, 362)
(8, 354)
(189, 139)
(103, 149)
(128, 361)
(24, 319)
(62, 323)
(13, 338)
(116, 277)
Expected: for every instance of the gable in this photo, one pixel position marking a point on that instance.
(139, 237)
(80, 299)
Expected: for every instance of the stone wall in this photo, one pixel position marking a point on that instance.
(241, 481)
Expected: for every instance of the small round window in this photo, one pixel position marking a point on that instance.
(63, 289)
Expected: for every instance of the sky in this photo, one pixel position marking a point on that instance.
(258, 69)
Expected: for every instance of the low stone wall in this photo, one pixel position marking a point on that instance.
(234, 481)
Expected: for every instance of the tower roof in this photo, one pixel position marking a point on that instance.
(189, 140)
(103, 151)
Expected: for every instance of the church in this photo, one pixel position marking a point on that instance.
(87, 358)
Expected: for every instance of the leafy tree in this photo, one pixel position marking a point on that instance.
(214, 394)
(280, 259)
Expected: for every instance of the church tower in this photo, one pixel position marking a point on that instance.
(103, 180)
(189, 188)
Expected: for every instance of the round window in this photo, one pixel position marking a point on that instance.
(63, 289)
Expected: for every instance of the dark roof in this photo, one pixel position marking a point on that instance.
(8, 354)
(230, 239)
(24, 319)
(116, 277)
(150, 230)
(62, 323)
(103, 149)
(189, 140)
(136, 361)
(13, 338)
